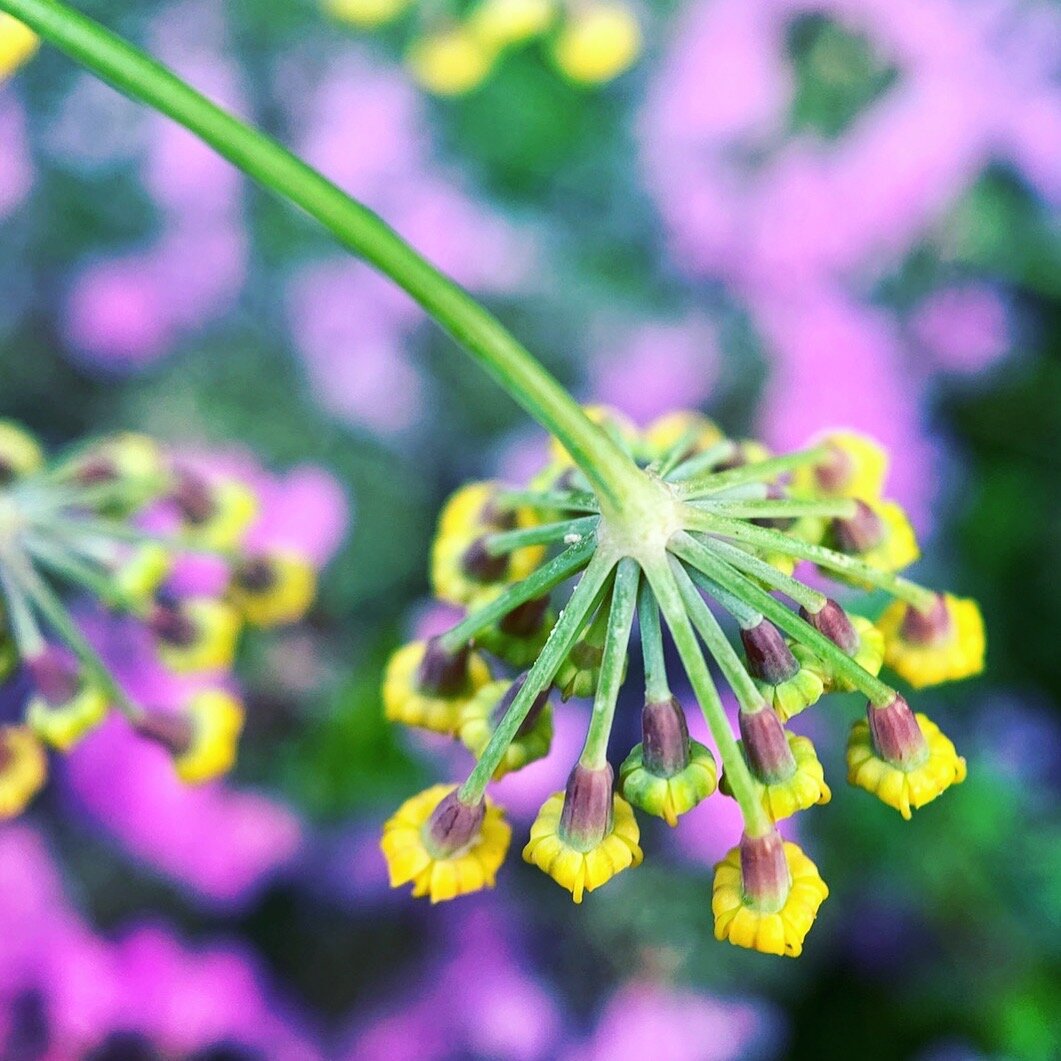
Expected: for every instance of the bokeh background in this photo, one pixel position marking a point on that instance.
(791, 214)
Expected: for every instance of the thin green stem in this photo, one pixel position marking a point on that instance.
(757, 471)
(569, 530)
(746, 616)
(616, 642)
(115, 531)
(131, 71)
(28, 637)
(702, 462)
(533, 586)
(560, 500)
(541, 674)
(714, 637)
(776, 541)
(702, 558)
(841, 508)
(76, 570)
(657, 688)
(744, 787)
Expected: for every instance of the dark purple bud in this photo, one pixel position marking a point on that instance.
(862, 532)
(170, 624)
(442, 673)
(55, 676)
(765, 878)
(896, 735)
(453, 825)
(737, 458)
(498, 517)
(833, 622)
(766, 746)
(587, 813)
(775, 493)
(525, 619)
(256, 574)
(664, 738)
(477, 562)
(505, 703)
(193, 496)
(927, 628)
(174, 732)
(769, 657)
(95, 470)
(835, 471)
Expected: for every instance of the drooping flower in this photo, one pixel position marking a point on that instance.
(479, 717)
(271, 589)
(854, 465)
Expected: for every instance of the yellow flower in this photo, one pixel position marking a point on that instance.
(792, 695)
(197, 634)
(520, 636)
(621, 428)
(805, 788)
(217, 514)
(480, 715)
(366, 14)
(910, 788)
(17, 45)
(502, 23)
(778, 931)
(442, 875)
(203, 738)
(20, 453)
(138, 576)
(879, 534)
(669, 797)
(665, 432)
(946, 644)
(461, 571)
(63, 725)
(274, 588)
(128, 457)
(869, 655)
(582, 871)
(597, 43)
(856, 467)
(23, 769)
(450, 62)
(404, 700)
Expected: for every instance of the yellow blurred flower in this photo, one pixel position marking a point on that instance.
(597, 43)
(18, 43)
(665, 432)
(63, 725)
(23, 769)
(450, 62)
(501, 24)
(271, 589)
(197, 634)
(621, 428)
(869, 655)
(856, 467)
(942, 646)
(20, 453)
(366, 14)
(879, 535)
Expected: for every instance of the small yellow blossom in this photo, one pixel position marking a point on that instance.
(63, 725)
(795, 694)
(404, 701)
(583, 871)
(501, 24)
(450, 62)
(869, 656)
(203, 636)
(895, 548)
(597, 43)
(138, 576)
(856, 467)
(908, 789)
(20, 453)
(942, 648)
(216, 719)
(780, 931)
(274, 588)
(477, 725)
(669, 797)
(23, 769)
(222, 516)
(469, 869)
(366, 14)
(17, 45)
(665, 432)
(805, 788)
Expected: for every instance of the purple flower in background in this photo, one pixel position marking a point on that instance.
(964, 329)
(16, 172)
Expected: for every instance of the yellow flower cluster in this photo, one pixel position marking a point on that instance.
(944, 647)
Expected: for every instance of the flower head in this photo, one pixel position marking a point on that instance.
(855, 634)
(17, 44)
(500, 24)
(942, 644)
(903, 759)
(66, 704)
(854, 465)
(270, 589)
(480, 715)
(766, 896)
(878, 533)
(787, 675)
(195, 634)
(450, 61)
(23, 769)
(597, 43)
(215, 511)
(444, 847)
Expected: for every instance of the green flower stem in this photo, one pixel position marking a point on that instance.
(541, 674)
(76, 571)
(766, 573)
(131, 71)
(507, 541)
(28, 637)
(844, 508)
(702, 558)
(616, 642)
(701, 462)
(562, 500)
(741, 610)
(657, 688)
(78, 530)
(744, 787)
(778, 542)
(756, 472)
(51, 608)
(535, 585)
(713, 636)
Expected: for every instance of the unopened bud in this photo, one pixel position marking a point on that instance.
(525, 619)
(766, 746)
(174, 732)
(832, 621)
(928, 628)
(765, 877)
(664, 737)
(55, 676)
(587, 815)
(453, 825)
(477, 562)
(769, 657)
(442, 673)
(533, 714)
(861, 532)
(896, 735)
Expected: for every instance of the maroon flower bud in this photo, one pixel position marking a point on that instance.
(525, 619)
(498, 517)
(255, 574)
(174, 732)
(833, 622)
(835, 470)
(96, 470)
(55, 676)
(170, 624)
(442, 673)
(505, 703)
(587, 814)
(896, 735)
(766, 746)
(193, 497)
(862, 532)
(769, 657)
(928, 628)
(453, 825)
(764, 871)
(664, 738)
(477, 562)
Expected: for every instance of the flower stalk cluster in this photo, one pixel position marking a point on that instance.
(707, 531)
(108, 525)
